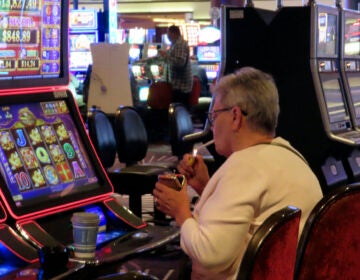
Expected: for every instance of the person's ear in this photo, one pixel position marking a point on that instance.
(237, 117)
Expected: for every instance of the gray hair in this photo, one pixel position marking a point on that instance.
(255, 93)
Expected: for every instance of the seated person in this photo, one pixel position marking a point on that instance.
(262, 174)
(200, 72)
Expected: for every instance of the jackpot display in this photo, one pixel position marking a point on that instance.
(83, 32)
(33, 48)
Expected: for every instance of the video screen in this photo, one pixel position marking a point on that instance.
(79, 61)
(82, 41)
(80, 52)
(137, 71)
(152, 51)
(327, 34)
(155, 71)
(137, 36)
(209, 35)
(33, 43)
(211, 75)
(143, 93)
(134, 53)
(208, 53)
(351, 34)
(334, 100)
(83, 19)
(43, 159)
(354, 85)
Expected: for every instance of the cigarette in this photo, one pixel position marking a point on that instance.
(195, 151)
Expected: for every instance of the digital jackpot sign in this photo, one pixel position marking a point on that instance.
(30, 38)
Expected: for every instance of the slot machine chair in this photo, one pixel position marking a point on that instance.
(132, 146)
(195, 92)
(132, 140)
(271, 252)
(134, 179)
(156, 118)
(160, 95)
(329, 244)
(180, 124)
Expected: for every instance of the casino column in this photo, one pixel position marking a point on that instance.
(109, 21)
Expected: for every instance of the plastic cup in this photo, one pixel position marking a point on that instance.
(85, 230)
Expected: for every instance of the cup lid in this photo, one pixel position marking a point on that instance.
(85, 217)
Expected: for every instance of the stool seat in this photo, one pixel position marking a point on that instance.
(133, 179)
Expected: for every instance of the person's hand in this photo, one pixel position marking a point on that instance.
(172, 202)
(195, 171)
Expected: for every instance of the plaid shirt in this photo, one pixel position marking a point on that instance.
(178, 66)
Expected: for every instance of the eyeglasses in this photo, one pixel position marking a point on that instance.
(211, 116)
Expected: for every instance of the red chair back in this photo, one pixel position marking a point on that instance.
(271, 252)
(195, 92)
(329, 245)
(160, 95)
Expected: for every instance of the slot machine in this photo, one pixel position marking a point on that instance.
(153, 70)
(208, 51)
(209, 59)
(48, 167)
(314, 113)
(146, 71)
(350, 71)
(251, 26)
(83, 32)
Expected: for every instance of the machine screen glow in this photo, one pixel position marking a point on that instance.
(41, 155)
(327, 35)
(334, 100)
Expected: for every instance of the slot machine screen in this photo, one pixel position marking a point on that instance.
(46, 159)
(80, 52)
(143, 93)
(33, 44)
(351, 33)
(327, 33)
(134, 53)
(334, 100)
(208, 53)
(136, 69)
(83, 19)
(209, 35)
(155, 70)
(137, 36)
(152, 51)
(354, 84)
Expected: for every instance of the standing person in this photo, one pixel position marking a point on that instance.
(262, 174)
(178, 66)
